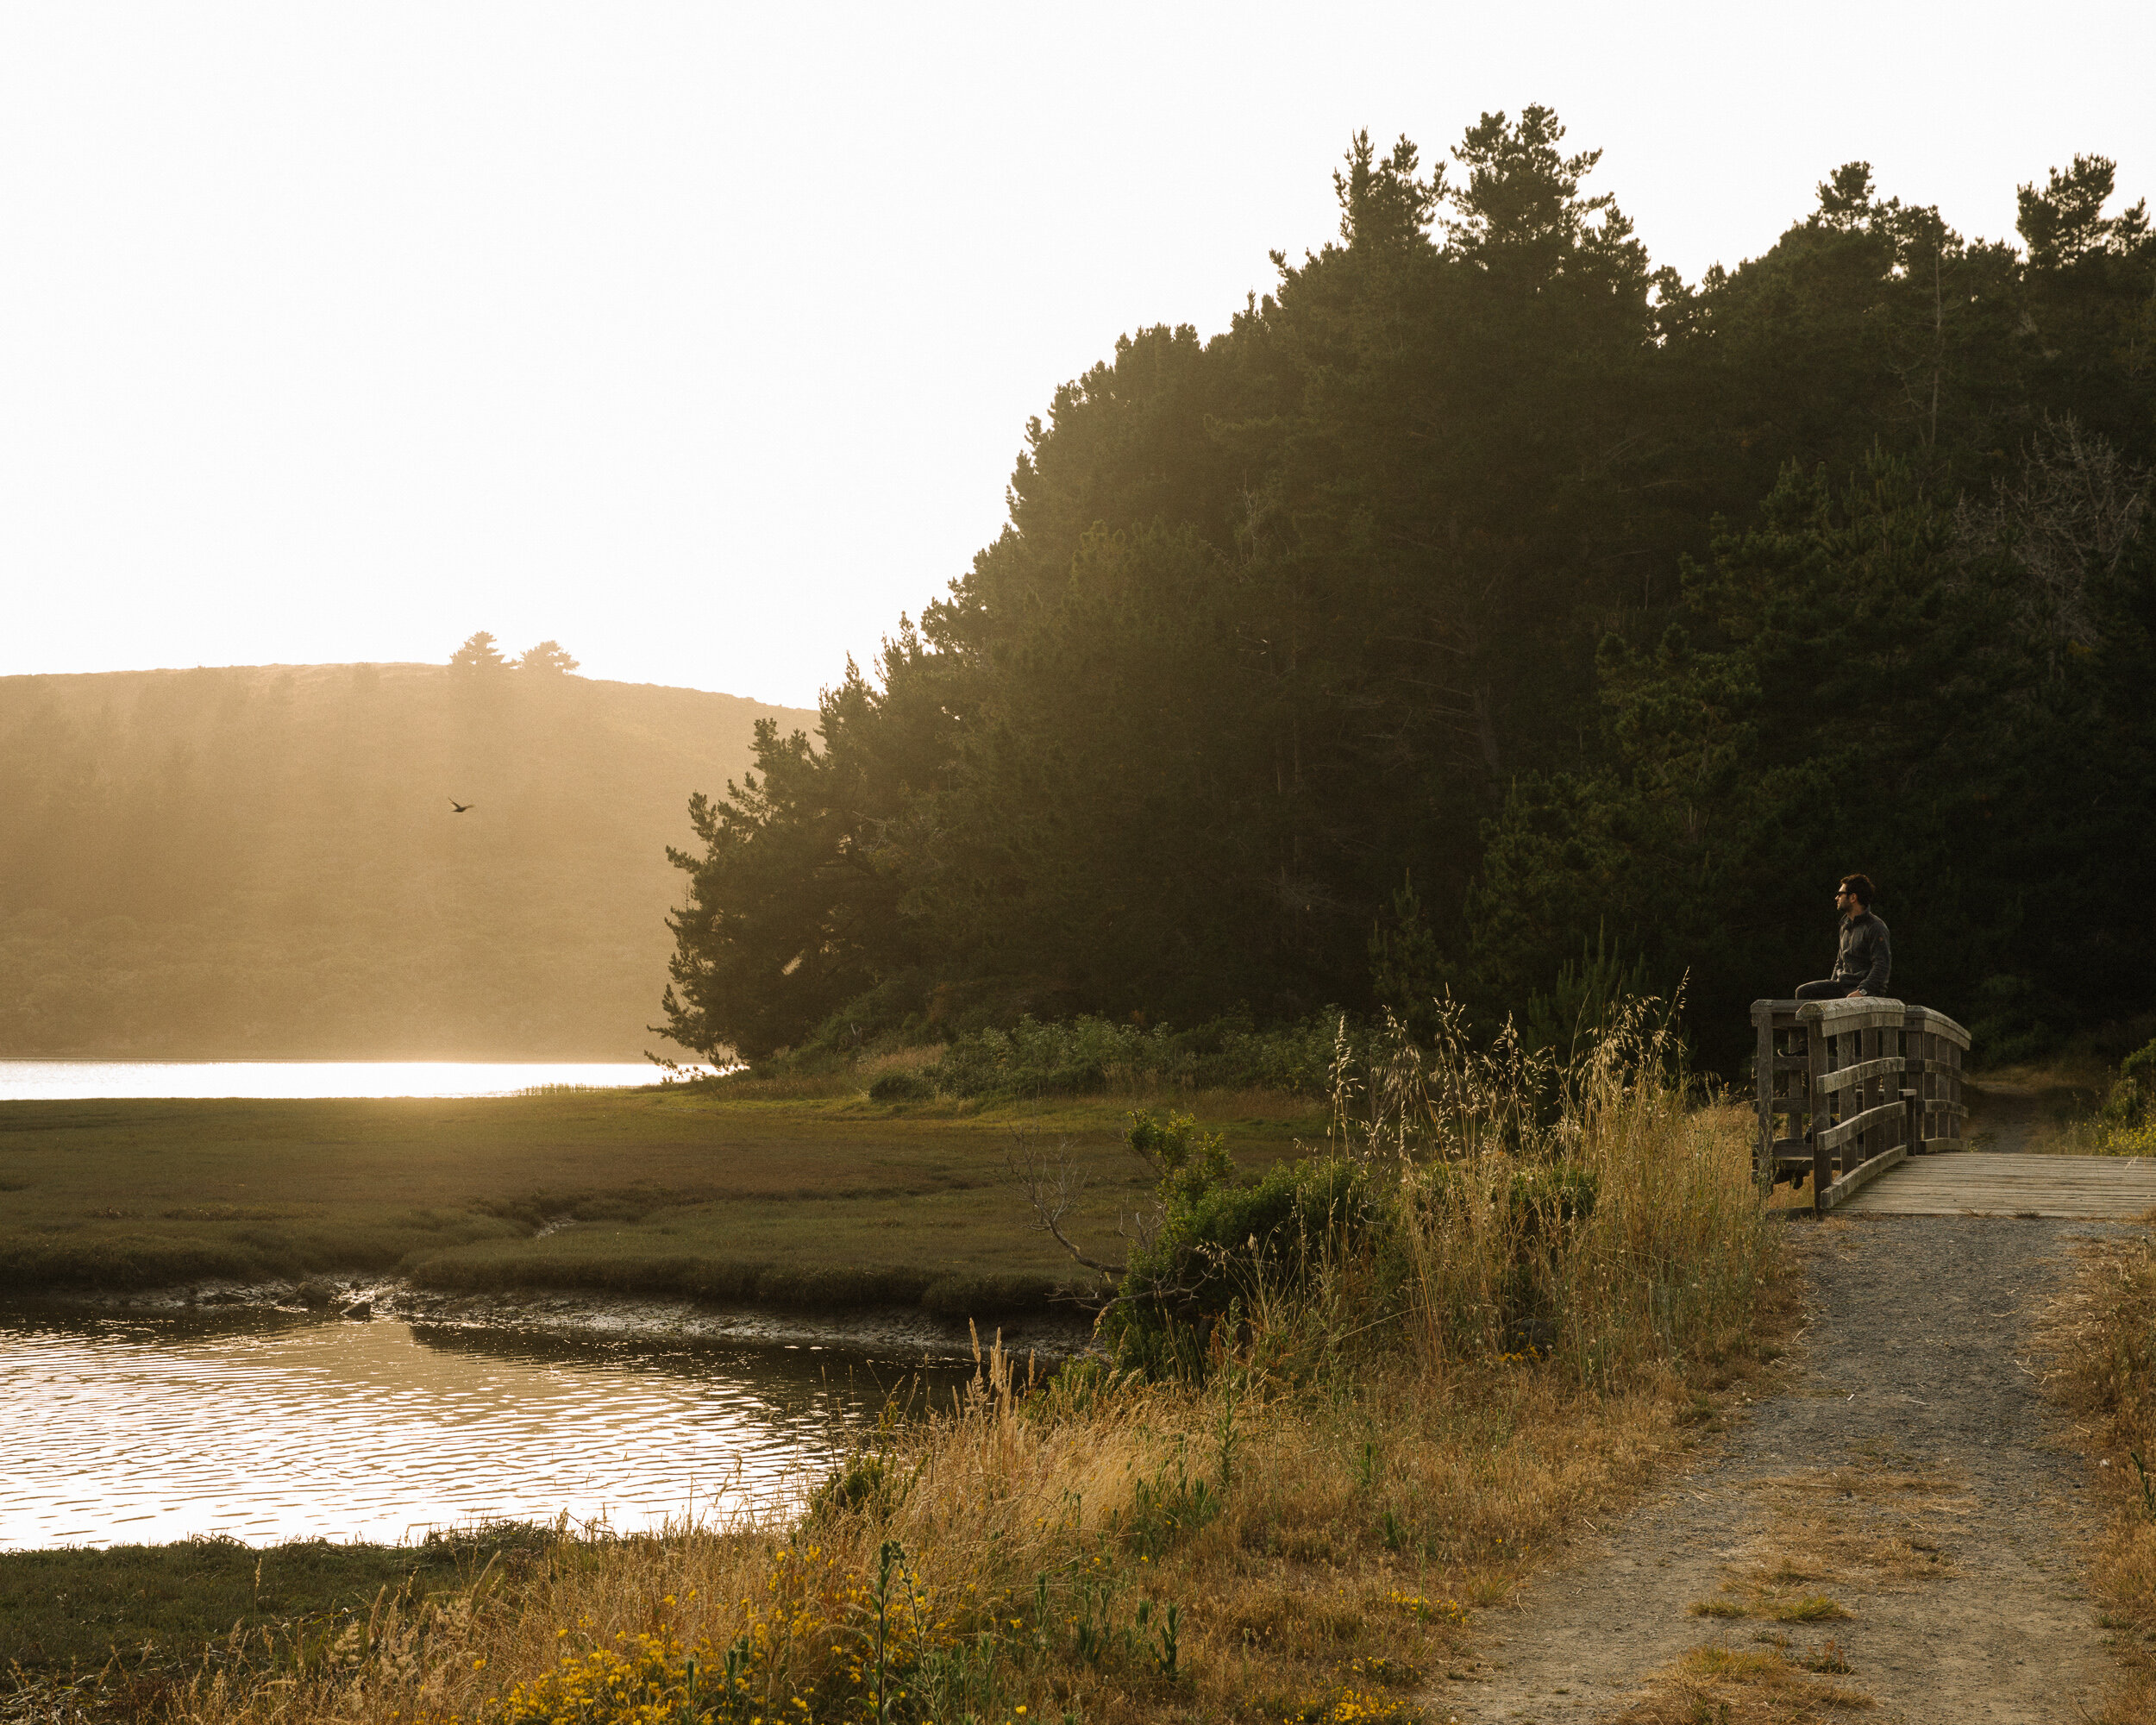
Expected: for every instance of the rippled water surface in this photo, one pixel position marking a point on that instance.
(23, 1081)
(126, 1429)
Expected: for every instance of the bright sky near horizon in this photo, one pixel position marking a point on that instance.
(701, 337)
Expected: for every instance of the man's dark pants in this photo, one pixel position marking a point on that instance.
(1832, 990)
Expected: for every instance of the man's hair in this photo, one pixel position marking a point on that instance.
(1861, 885)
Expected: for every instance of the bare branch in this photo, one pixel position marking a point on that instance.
(2069, 516)
(1051, 1182)
(1141, 1229)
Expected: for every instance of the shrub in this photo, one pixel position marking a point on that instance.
(1224, 1241)
(902, 1086)
(865, 1480)
(2124, 1122)
(1076, 1055)
(2133, 1098)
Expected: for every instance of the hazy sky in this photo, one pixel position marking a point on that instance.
(702, 337)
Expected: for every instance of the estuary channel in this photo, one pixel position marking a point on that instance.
(128, 1428)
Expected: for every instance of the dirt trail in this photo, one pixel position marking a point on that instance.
(1912, 1477)
(2011, 1117)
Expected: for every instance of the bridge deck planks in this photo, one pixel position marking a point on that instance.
(1979, 1183)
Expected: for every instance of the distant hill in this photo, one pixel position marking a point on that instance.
(261, 863)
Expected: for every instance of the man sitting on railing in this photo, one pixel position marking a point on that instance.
(1865, 957)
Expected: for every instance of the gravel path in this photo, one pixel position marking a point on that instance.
(1912, 1476)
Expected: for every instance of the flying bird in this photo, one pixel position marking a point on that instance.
(460, 807)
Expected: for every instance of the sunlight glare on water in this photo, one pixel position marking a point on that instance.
(61, 1080)
(127, 1429)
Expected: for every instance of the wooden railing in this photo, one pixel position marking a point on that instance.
(1846, 1088)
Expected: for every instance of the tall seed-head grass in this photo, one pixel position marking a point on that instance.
(1587, 1210)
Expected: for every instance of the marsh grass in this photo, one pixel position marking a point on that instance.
(2101, 1334)
(63, 1612)
(1303, 1529)
(689, 1190)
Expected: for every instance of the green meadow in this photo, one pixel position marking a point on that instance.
(741, 1191)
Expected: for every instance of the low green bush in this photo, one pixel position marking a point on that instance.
(1075, 1057)
(864, 1481)
(902, 1086)
(1226, 1241)
(2124, 1122)
(2133, 1097)
(986, 1053)
(169, 1606)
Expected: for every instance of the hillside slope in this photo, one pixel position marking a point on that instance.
(261, 862)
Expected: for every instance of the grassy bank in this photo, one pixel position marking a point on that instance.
(807, 1194)
(2102, 1336)
(1300, 1525)
(160, 1611)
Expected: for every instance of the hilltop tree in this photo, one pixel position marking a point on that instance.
(2089, 304)
(478, 654)
(547, 658)
(2065, 222)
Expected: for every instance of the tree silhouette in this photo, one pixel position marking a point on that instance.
(547, 656)
(477, 654)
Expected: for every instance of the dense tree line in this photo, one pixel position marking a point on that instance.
(1482, 592)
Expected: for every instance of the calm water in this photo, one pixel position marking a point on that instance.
(71, 1079)
(123, 1429)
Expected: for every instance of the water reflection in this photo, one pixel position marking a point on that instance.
(267, 1427)
(67, 1080)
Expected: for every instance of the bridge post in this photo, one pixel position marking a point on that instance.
(1857, 1063)
(1818, 1044)
(1781, 1079)
(1762, 1083)
(1936, 1045)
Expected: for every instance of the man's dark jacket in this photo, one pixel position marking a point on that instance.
(1866, 956)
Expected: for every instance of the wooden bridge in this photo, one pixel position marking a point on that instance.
(1850, 1090)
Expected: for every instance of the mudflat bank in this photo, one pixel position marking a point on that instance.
(1053, 1333)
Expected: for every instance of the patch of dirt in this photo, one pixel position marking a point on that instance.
(1897, 1532)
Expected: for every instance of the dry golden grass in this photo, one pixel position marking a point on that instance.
(1875, 1530)
(2102, 1332)
(1304, 1536)
(1767, 1681)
